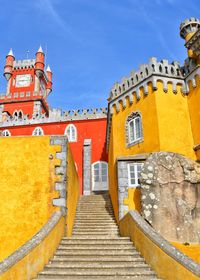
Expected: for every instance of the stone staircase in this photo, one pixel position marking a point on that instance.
(96, 251)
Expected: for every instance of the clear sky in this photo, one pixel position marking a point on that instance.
(91, 44)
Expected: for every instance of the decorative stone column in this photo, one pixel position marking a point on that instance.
(87, 152)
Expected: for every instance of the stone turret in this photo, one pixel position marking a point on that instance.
(39, 62)
(8, 68)
(188, 27)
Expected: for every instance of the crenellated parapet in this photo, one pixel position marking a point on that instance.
(151, 72)
(55, 115)
(24, 64)
(85, 114)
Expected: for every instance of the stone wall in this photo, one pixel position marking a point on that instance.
(170, 187)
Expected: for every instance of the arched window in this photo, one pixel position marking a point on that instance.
(6, 133)
(71, 133)
(38, 131)
(18, 114)
(133, 129)
(99, 176)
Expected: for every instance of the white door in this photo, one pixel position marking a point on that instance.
(100, 176)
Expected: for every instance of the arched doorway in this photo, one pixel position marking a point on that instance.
(100, 176)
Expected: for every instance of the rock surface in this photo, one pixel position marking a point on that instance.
(170, 187)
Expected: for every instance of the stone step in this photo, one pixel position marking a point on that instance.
(95, 246)
(98, 269)
(89, 233)
(85, 229)
(97, 277)
(92, 211)
(96, 242)
(101, 260)
(99, 238)
(96, 265)
(95, 218)
(96, 253)
(103, 216)
(95, 225)
(99, 272)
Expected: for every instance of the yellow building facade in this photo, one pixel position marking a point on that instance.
(154, 109)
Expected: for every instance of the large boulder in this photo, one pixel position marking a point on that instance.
(170, 187)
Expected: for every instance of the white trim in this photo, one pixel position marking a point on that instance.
(135, 164)
(71, 127)
(133, 134)
(38, 131)
(93, 164)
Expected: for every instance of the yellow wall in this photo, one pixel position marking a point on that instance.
(192, 250)
(166, 127)
(174, 125)
(26, 189)
(117, 145)
(165, 266)
(194, 105)
(31, 264)
(133, 199)
(72, 192)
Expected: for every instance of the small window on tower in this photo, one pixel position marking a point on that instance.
(71, 133)
(38, 131)
(6, 133)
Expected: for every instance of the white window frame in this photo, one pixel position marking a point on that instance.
(93, 175)
(135, 137)
(6, 133)
(70, 135)
(135, 164)
(35, 131)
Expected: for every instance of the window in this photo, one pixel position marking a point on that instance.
(6, 133)
(134, 173)
(133, 129)
(100, 176)
(18, 114)
(71, 133)
(38, 131)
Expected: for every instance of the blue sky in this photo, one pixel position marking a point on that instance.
(91, 44)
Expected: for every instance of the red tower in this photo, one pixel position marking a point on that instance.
(28, 85)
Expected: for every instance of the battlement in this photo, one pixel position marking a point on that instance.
(56, 115)
(85, 113)
(161, 69)
(23, 64)
(190, 25)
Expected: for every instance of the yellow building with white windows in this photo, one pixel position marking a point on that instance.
(154, 109)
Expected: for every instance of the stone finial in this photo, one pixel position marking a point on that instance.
(40, 49)
(48, 69)
(10, 53)
(190, 25)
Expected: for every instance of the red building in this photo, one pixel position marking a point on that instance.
(24, 110)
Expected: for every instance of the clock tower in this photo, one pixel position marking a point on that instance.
(28, 86)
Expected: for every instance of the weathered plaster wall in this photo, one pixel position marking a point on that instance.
(118, 147)
(26, 189)
(191, 250)
(165, 125)
(174, 125)
(193, 105)
(35, 260)
(163, 258)
(73, 192)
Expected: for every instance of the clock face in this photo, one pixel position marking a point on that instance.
(23, 80)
